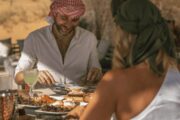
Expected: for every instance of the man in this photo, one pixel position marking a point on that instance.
(63, 51)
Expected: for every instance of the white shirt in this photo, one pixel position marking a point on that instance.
(166, 104)
(41, 47)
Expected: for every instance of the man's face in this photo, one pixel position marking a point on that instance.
(65, 23)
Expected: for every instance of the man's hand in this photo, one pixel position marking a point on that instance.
(45, 78)
(94, 75)
(19, 78)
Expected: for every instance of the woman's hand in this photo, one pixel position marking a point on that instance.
(75, 113)
(45, 78)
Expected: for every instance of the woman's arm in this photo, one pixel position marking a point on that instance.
(102, 104)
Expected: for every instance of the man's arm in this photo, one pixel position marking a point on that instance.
(94, 68)
(103, 48)
(19, 78)
(26, 61)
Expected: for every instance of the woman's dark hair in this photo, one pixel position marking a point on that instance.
(115, 6)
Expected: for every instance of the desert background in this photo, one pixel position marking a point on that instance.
(19, 17)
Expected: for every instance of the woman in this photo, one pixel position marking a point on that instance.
(147, 83)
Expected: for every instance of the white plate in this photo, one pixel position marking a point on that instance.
(57, 97)
(45, 91)
(76, 87)
(83, 103)
(50, 113)
(28, 106)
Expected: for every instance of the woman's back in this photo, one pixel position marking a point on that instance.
(146, 96)
(144, 49)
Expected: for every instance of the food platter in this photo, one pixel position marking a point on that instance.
(57, 97)
(60, 91)
(76, 94)
(80, 90)
(54, 109)
(57, 104)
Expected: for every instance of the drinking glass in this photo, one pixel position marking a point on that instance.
(30, 77)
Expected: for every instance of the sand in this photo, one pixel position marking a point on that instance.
(19, 17)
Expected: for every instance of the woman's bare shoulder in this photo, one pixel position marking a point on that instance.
(121, 79)
(116, 79)
(116, 75)
(110, 80)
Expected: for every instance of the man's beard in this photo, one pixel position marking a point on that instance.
(60, 28)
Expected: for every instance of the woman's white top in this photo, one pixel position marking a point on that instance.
(166, 104)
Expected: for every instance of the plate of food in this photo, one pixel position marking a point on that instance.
(28, 103)
(76, 94)
(76, 87)
(75, 91)
(54, 109)
(89, 89)
(60, 91)
(34, 102)
(58, 98)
